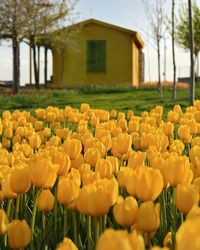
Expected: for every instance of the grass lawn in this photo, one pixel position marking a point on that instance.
(119, 98)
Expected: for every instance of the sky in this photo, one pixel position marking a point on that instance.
(125, 13)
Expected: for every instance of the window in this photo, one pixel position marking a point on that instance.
(96, 56)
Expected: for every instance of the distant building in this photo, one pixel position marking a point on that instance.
(106, 55)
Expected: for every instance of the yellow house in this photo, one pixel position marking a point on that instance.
(106, 55)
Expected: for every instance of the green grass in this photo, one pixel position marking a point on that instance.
(120, 98)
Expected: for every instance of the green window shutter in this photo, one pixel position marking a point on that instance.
(96, 56)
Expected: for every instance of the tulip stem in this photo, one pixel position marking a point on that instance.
(9, 208)
(163, 211)
(104, 222)
(65, 221)
(74, 227)
(89, 233)
(174, 218)
(33, 217)
(97, 227)
(43, 224)
(17, 207)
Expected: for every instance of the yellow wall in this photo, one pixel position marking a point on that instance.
(135, 65)
(119, 59)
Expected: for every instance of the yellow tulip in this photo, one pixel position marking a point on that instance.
(195, 155)
(130, 183)
(122, 176)
(194, 212)
(152, 182)
(35, 141)
(125, 211)
(84, 168)
(90, 177)
(104, 167)
(45, 201)
(112, 240)
(136, 159)
(3, 222)
(122, 144)
(130, 114)
(187, 236)
(6, 189)
(20, 181)
(136, 241)
(68, 190)
(66, 244)
(114, 162)
(133, 126)
(184, 134)
(77, 162)
(177, 170)
(113, 113)
(62, 159)
(8, 133)
(16, 230)
(187, 195)
(40, 113)
(73, 148)
(6, 115)
(84, 107)
(177, 146)
(148, 217)
(91, 156)
(43, 173)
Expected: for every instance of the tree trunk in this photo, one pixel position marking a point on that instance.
(38, 61)
(16, 65)
(45, 64)
(191, 41)
(30, 65)
(159, 78)
(173, 53)
(35, 67)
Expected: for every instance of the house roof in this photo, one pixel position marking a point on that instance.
(135, 34)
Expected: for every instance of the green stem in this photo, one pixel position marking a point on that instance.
(164, 213)
(96, 228)
(56, 212)
(65, 221)
(89, 233)
(34, 216)
(43, 225)
(74, 222)
(17, 207)
(9, 208)
(104, 222)
(174, 218)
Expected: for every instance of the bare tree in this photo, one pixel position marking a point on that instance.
(42, 17)
(12, 27)
(156, 17)
(173, 50)
(191, 43)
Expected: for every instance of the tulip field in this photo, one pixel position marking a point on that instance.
(90, 178)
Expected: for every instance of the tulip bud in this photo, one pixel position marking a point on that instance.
(148, 216)
(66, 244)
(112, 240)
(68, 190)
(187, 195)
(73, 148)
(91, 156)
(187, 236)
(43, 173)
(45, 201)
(125, 211)
(3, 222)
(16, 230)
(20, 180)
(152, 182)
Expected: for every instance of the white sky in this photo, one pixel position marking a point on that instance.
(126, 13)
